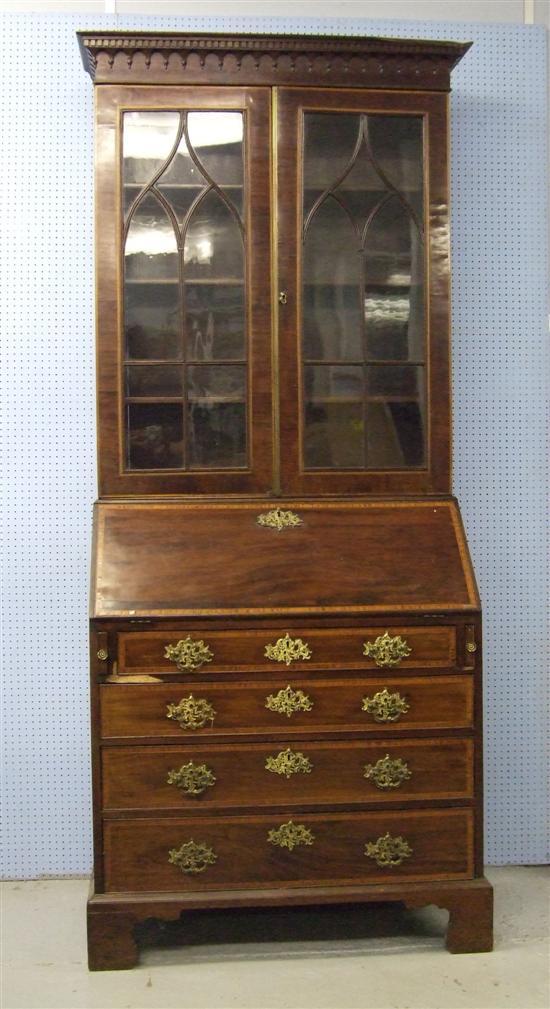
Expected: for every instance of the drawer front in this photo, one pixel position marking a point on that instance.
(213, 710)
(208, 652)
(285, 774)
(233, 852)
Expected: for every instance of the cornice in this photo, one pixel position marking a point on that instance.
(171, 58)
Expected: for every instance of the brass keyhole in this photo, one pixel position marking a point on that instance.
(282, 298)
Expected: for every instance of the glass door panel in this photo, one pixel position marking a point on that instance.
(362, 291)
(184, 277)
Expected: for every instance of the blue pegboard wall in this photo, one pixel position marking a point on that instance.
(501, 390)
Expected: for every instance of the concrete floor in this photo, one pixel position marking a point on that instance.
(283, 960)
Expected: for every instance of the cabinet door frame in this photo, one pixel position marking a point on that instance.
(115, 479)
(435, 476)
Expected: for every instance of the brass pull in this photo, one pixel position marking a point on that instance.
(287, 701)
(282, 297)
(192, 858)
(385, 707)
(102, 654)
(188, 654)
(388, 773)
(191, 712)
(193, 779)
(289, 762)
(290, 835)
(387, 651)
(388, 850)
(279, 519)
(288, 650)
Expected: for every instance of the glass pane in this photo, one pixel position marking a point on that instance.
(322, 382)
(151, 250)
(217, 139)
(394, 297)
(225, 382)
(217, 435)
(152, 321)
(395, 381)
(333, 436)
(395, 435)
(147, 139)
(332, 269)
(329, 142)
(215, 322)
(182, 170)
(213, 244)
(155, 436)
(397, 148)
(154, 381)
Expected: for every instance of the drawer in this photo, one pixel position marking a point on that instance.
(213, 710)
(196, 778)
(235, 852)
(241, 651)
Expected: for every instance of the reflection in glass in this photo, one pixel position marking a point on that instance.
(215, 322)
(213, 242)
(155, 435)
(217, 435)
(184, 300)
(332, 272)
(363, 268)
(333, 382)
(394, 267)
(225, 382)
(147, 140)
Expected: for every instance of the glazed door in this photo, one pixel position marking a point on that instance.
(184, 309)
(363, 266)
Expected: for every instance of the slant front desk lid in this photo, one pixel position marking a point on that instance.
(206, 559)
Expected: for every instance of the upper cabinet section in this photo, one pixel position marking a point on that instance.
(272, 264)
(365, 401)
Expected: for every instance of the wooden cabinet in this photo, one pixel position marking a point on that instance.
(285, 628)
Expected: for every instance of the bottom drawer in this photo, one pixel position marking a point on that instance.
(240, 852)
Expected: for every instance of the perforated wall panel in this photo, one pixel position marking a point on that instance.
(500, 364)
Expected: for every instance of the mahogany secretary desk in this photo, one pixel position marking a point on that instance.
(285, 627)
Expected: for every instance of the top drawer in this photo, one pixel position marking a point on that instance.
(187, 650)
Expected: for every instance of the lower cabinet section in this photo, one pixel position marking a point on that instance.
(239, 852)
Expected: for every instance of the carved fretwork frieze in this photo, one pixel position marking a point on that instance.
(171, 58)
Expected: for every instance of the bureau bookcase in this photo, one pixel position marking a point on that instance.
(285, 626)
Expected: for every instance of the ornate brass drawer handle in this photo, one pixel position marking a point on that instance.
(289, 762)
(192, 858)
(290, 835)
(287, 701)
(193, 779)
(385, 707)
(188, 654)
(191, 712)
(387, 651)
(388, 850)
(388, 773)
(279, 519)
(288, 650)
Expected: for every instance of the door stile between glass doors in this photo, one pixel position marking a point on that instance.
(365, 382)
(184, 320)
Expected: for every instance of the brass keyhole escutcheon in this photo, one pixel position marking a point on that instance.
(282, 298)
